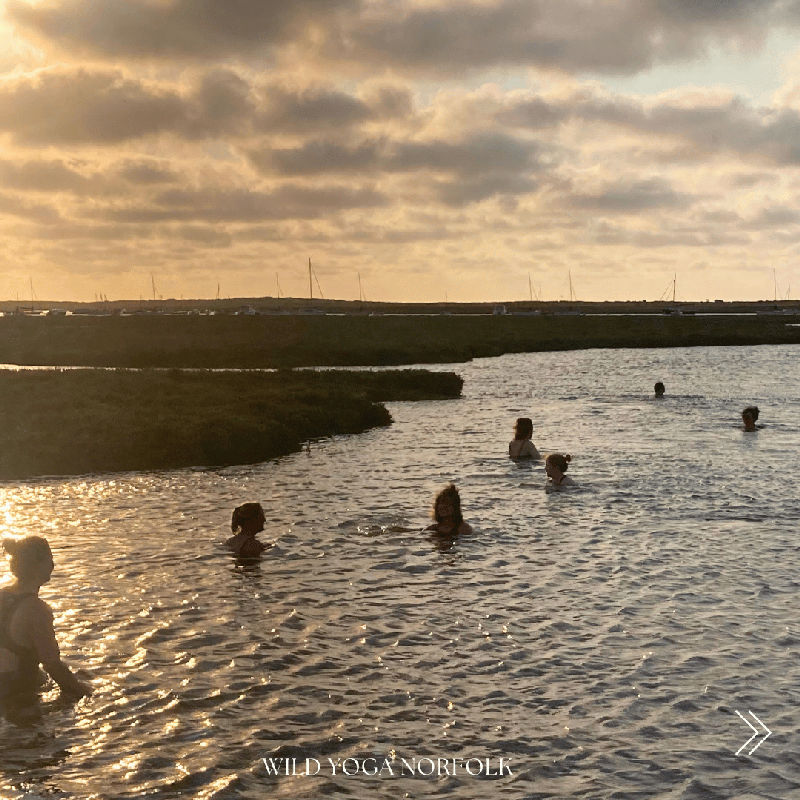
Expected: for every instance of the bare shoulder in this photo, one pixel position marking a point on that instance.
(465, 527)
(36, 610)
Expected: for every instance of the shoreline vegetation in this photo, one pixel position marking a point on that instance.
(74, 422)
(298, 340)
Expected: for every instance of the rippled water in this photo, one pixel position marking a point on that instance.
(600, 639)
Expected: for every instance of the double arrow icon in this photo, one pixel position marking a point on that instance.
(756, 733)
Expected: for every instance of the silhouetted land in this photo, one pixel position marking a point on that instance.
(74, 422)
(320, 339)
(300, 305)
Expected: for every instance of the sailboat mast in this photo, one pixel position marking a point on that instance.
(310, 285)
(360, 291)
(278, 284)
(674, 281)
(530, 287)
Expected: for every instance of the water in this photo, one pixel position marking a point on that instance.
(600, 639)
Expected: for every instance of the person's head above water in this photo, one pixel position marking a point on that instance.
(30, 558)
(749, 417)
(523, 428)
(557, 460)
(447, 505)
(658, 389)
(248, 518)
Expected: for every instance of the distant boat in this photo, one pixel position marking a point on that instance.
(499, 309)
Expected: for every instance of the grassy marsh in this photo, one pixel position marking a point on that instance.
(70, 422)
(326, 340)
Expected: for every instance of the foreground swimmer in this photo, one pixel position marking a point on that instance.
(749, 417)
(248, 519)
(447, 513)
(27, 638)
(521, 445)
(555, 466)
(658, 390)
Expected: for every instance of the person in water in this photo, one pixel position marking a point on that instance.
(27, 638)
(248, 519)
(555, 466)
(658, 389)
(749, 417)
(447, 513)
(521, 445)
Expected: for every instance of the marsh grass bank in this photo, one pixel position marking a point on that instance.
(319, 340)
(76, 422)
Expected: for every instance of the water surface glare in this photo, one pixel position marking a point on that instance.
(600, 639)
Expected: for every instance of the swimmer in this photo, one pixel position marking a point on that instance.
(521, 445)
(27, 638)
(749, 417)
(658, 390)
(447, 513)
(248, 519)
(555, 466)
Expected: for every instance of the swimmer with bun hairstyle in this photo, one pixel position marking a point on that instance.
(247, 520)
(555, 466)
(27, 638)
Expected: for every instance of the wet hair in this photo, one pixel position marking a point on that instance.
(245, 513)
(561, 462)
(26, 554)
(450, 493)
(658, 388)
(523, 428)
(751, 411)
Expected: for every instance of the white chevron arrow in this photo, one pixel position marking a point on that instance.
(756, 733)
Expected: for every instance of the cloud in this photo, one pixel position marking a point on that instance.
(313, 108)
(241, 205)
(407, 135)
(476, 153)
(37, 212)
(79, 106)
(609, 36)
(146, 172)
(461, 193)
(605, 36)
(711, 122)
(82, 106)
(172, 29)
(319, 156)
(630, 197)
(42, 176)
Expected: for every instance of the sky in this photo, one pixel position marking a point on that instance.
(478, 150)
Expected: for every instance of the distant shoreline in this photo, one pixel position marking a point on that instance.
(246, 306)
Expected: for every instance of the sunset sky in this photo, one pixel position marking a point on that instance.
(437, 148)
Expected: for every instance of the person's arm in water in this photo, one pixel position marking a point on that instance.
(42, 638)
